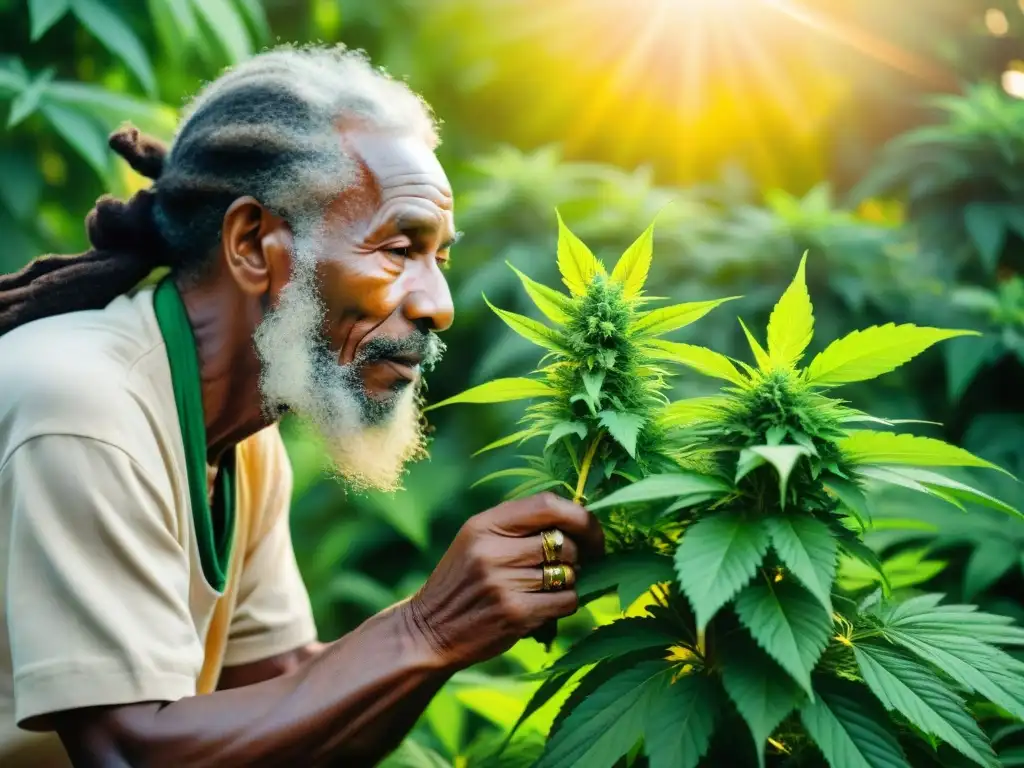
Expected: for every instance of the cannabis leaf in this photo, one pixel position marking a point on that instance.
(606, 724)
(783, 458)
(809, 550)
(700, 359)
(788, 623)
(634, 264)
(624, 427)
(499, 391)
(655, 487)
(530, 329)
(791, 326)
(849, 729)
(632, 573)
(870, 447)
(619, 637)
(576, 263)
(907, 687)
(934, 484)
(760, 356)
(666, 319)
(681, 720)
(554, 305)
(863, 355)
(717, 557)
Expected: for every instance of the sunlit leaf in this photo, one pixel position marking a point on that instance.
(784, 459)
(788, 623)
(576, 263)
(623, 427)
(717, 557)
(632, 267)
(683, 412)
(866, 354)
(554, 305)
(760, 356)
(227, 26)
(564, 429)
(873, 447)
(511, 472)
(516, 437)
(530, 329)
(809, 550)
(111, 30)
(655, 487)
(699, 359)
(660, 321)
(791, 326)
(499, 391)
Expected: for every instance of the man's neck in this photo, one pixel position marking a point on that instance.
(228, 368)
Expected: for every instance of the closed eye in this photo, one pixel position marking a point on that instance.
(402, 252)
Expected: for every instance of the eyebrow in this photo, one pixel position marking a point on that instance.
(415, 225)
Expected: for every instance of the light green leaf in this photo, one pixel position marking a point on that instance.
(255, 17)
(554, 305)
(544, 693)
(620, 637)
(111, 30)
(747, 462)
(872, 447)
(913, 690)
(576, 263)
(784, 459)
(788, 623)
(699, 359)
(850, 731)
(447, 719)
(536, 474)
(624, 427)
(565, 428)
(924, 481)
(44, 14)
(986, 225)
(965, 358)
(26, 102)
(866, 354)
(501, 442)
(632, 572)
(923, 614)
(607, 723)
(716, 558)
(850, 495)
(659, 321)
(907, 568)
(668, 486)
(763, 694)
(809, 550)
(632, 267)
(684, 412)
(681, 722)
(791, 326)
(760, 356)
(499, 391)
(411, 754)
(592, 383)
(227, 26)
(530, 329)
(988, 563)
(82, 133)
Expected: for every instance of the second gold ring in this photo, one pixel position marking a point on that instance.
(552, 542)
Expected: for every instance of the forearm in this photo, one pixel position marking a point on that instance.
(350, 705)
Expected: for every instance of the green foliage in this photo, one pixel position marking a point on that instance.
(756, 546)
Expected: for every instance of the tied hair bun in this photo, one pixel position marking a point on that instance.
(130, 226)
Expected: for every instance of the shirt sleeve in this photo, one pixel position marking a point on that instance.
(273, 614)
(97, 584)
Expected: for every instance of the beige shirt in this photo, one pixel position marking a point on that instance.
(104, 600)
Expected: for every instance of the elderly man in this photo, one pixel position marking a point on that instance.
(154, 614)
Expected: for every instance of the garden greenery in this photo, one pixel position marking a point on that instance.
(726, 516)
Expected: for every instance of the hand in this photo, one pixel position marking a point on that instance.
(487, 592)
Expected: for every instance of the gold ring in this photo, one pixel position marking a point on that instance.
(558, 577)
(552, 542)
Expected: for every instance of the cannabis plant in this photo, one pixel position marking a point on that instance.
(726, 516)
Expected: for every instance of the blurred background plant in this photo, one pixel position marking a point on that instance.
(887, 139)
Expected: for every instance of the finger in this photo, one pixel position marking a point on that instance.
(528, 551)
(530, 579)
(551, 605)
(529, 516)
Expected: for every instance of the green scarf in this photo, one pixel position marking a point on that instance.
(214, 527)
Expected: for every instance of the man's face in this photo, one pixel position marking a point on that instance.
(347, 344)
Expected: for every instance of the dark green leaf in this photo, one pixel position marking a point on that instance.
(761, 691)
(26, 102)
(851, 496)
(988, 563)
(716, 558)
(44, 14)
(88, 138)
(681, 721)
(227, 25)
(784, 459)
(621, 636)
(856, 548)
(788, 623)
(564, 428)
(809, 550)
(655, 487)
(609, 722)
(986, 225)
(108, 27)
(964, 358)
(905, 686)
(547, 690)
(632, 572)
(592, 383)
(748, 461)
(624, 427)
(850, 729)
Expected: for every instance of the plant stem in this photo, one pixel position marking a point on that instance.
(588, 461)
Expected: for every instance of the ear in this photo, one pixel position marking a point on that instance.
(256, 246)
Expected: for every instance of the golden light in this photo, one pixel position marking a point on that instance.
(997, 22)
(1013, 83)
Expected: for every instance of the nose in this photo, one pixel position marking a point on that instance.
(429, 301)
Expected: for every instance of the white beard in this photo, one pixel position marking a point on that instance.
(369, 441)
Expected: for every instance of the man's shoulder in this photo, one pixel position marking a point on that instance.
(89, 374)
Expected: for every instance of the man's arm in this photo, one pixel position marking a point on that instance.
(267, 669)
(352, 703)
